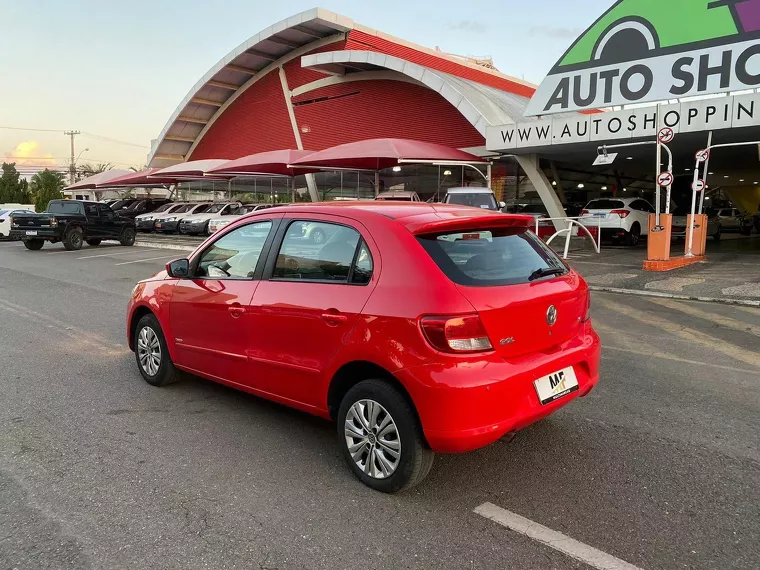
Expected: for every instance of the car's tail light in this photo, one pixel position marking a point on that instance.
(458, 334)
(621, 213)
(587, 316)
(584, 212)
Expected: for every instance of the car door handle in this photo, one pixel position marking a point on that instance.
(333, 319)
(236, 310)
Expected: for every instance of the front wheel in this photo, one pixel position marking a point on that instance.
(34, 244)
(93, 242)
(127, 236)
(151, 353)
(381, 438)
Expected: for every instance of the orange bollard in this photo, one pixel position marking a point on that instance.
(658, 241)
(699, 241)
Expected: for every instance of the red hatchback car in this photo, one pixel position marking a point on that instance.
(418, 328)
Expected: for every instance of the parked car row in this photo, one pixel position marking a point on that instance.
(194, 218)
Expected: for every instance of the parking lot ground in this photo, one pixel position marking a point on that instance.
(658, 467)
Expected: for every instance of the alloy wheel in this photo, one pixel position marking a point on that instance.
(149, 351)
(372, 439)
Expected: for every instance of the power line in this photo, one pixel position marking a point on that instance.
(38, 130)
(107, 139)
(86, 134)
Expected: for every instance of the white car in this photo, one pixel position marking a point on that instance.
(398, 196)
(216, 224)
(681, 222)
(618, 218)
(144, 222)
(476, 197)
(5, 220)
(198, 223)
(170, 222)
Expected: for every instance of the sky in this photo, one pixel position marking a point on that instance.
(118, 69)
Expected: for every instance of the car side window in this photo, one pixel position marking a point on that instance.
(363, 266)
(317, 251)
(92, 210)
(106, 212)
(236, 254)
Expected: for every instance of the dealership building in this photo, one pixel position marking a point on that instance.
(319, 79)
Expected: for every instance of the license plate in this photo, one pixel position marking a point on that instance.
(600, 215)
(556, 385)
(31, 232)
(159, 225)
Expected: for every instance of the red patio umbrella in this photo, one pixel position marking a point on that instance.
(191, 170)
(275, 162)
(142, 178)
(96, 180)
(377, 154)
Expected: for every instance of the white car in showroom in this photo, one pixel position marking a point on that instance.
(196, 224)
(624, 219)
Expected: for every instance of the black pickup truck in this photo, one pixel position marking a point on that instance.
(73, 222)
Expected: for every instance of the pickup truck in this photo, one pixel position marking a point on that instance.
(72, 222)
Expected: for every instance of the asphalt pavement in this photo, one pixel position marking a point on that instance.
(658, 467)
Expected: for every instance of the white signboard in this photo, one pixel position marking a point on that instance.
(710, 114)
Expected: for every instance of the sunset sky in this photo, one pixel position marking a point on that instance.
(119, 69)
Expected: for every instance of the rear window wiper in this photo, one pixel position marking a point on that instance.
(545, 272)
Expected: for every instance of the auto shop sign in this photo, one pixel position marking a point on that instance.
(644, 50)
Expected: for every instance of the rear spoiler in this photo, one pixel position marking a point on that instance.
(473, 223)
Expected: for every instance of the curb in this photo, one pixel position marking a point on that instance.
(161, 245)
(636, 292)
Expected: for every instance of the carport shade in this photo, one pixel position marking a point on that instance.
(96, 180)
(141, 178)
(191, 170)
(377, 154)
(274, 162)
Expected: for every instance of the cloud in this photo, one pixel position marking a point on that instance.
(28, 153)
(556, 33)
(468, 26)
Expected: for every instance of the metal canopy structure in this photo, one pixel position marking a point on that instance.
(143, 179)
(96, 180)
(377, 154)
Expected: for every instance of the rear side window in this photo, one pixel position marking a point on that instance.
(65, 207)
(490, 258)
(605, 205)
(319, 251)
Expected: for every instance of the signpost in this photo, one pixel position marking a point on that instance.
(665, 135)
(665, 178)
(702, 155)
(699, 185)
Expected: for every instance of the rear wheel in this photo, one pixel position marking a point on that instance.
(73, 239)
(151, 353)
(93, 242)
(381, 438)
(127, 236)
(716, 236)
(34, 244)
(634, 236)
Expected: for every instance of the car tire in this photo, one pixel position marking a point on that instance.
(127, 237)
(318, 236)
(73, 239)
(745, 230)
(93, 242)
(34, 244)
(152, 355)
(716, 236)
(360, 441)
(633, 237)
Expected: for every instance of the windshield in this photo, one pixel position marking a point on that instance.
(136, 205)
(244, 210)
(163, 208)
(2, 212)
(394, 198)
(185, 208)
(199, 208)
(605, 205)
(485, 201)
(491, 258)
(64, 207)
(215, 209)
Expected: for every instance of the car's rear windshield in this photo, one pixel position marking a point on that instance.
(394, 198)
(494, 257)
(604, 205)
(534, 209)
(64, 207)
(481, 200)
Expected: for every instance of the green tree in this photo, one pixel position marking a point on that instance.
(12, 188)
(87, 170)
(46, 186)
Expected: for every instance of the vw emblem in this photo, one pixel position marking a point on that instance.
(551, 315)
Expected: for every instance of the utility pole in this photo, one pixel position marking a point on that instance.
(72, 165)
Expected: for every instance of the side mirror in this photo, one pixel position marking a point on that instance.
(179, 268)
(502, 205)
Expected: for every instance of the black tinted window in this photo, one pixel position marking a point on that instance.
(482, 258)
(317, 251)
(64, 207)
(605, 205)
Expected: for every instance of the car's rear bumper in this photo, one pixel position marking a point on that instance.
(42, 233)
(471, 404)
(166, 226)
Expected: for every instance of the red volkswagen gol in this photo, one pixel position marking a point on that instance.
(418, 328)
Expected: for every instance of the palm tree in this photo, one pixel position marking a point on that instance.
(46, 186)
(87, 170)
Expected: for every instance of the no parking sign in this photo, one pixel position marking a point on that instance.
(665, 178)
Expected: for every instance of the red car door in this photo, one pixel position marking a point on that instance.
(209, 311)
(307, 304)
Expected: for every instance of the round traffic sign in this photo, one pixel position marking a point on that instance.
(702, 155)
(665, 178)
(665, 135)
(698, 186)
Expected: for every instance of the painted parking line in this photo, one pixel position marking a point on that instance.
(149, 259)
(110, 254)
(556, 540)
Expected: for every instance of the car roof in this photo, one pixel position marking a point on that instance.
(411, 215)
(477, 190)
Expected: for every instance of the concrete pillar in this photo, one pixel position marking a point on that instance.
(529, 163)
